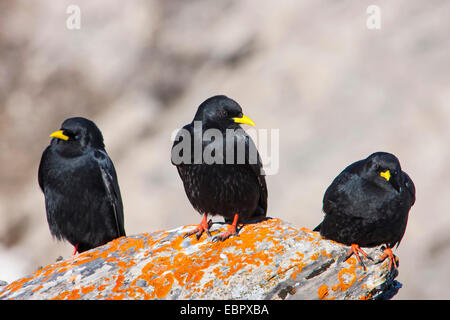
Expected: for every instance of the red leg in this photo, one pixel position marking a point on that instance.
(203, 226)
(76, 249)
(355, 250)
(231, 231)
(392, 258)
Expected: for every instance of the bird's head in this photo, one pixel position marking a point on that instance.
(384, 170)
(221, 112)
(75, 136)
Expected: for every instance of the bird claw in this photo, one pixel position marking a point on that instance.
(393, 260)
(215, 239)
(202, 227)
(231, 231)
(355, 250)
(199, 233)
(190, 233)
(225, 236)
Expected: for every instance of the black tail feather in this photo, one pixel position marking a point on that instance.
(318, 227)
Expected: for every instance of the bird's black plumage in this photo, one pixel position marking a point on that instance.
(227, 188)
(368, 203)
(79, 182)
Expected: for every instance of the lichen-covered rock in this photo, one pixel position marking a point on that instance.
(268, 260)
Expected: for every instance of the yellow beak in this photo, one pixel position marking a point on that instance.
(386, 175)
(59, 135)
(244, 120)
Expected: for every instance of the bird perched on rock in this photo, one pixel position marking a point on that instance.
(368, 204)
(79, 182)
(230, 184)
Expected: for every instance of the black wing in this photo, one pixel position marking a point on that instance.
(409, 184)
(254, 163)
(41, 168)
(338, 192)
(187, 132)
(333, 196)
(112, 188)
(336, 195)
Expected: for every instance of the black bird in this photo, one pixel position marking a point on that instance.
(234, 186)
(368, 204)
(79, 182)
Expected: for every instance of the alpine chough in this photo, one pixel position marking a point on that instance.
(368, 204)
(232, 185)
(79, 182)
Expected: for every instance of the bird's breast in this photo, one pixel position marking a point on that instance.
(69, 175)
(220, 187)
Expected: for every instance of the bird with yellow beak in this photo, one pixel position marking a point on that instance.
(236, 191)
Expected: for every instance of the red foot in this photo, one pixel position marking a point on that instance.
(202, 227)
(392, 258)
(231, 231)
(355, 250)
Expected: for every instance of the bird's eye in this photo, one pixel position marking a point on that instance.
(76, 137)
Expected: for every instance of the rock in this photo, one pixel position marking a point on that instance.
(270, 259)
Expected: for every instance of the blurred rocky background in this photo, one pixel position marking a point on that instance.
(336, 90)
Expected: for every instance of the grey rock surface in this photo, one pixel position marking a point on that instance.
(268, 260)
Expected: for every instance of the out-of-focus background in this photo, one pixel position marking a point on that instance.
(337, 91)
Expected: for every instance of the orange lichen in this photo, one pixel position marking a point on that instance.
(142, 293)
(85, 290)
(17, 284)
(162, 285)
(120, 296)
(323, 291)
(125, 265)
(326, 254)
(61, 296)
(37, 288)
(119, 283)
(346, 276)
(314, 256)
(101, 287)
(74, 294)
(296, 265)
(366, 297)
(208, 285)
